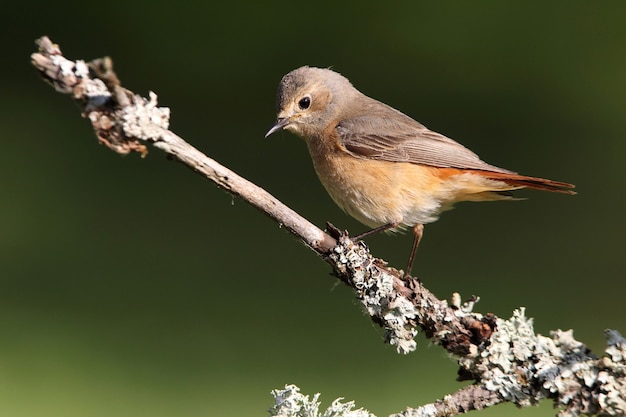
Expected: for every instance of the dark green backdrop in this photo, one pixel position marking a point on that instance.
(132, 287)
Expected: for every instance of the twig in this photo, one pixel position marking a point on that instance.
(506, 360)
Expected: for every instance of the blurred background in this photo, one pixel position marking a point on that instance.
(132, 287)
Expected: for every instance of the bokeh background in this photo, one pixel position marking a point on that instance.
(132, 287)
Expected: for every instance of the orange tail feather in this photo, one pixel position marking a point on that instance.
(534, 183)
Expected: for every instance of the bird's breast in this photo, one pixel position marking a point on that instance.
(377, 192)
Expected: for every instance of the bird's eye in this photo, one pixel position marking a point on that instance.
(304, 102)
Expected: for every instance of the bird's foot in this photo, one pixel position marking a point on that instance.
(335, 232)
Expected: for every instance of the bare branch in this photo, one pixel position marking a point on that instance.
(507, 361)
(122, 120)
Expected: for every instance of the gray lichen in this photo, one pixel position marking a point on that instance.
(289, 402)
(611, 378)
(374, 288)
(524, 368)
(144, 119)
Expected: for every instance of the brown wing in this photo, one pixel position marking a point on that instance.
(382, 132)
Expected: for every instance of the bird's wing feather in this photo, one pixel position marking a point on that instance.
(392, 136)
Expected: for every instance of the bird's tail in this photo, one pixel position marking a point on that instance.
(522, 181)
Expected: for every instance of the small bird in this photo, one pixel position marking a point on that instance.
(382, 167)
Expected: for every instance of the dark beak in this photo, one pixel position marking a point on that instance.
(279, 125)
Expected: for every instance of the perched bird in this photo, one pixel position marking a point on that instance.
(379, 165)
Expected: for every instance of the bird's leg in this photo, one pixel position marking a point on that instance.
(375, 230)
(418, 230)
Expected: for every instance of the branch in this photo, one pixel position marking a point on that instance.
(471, 397)
(506, 360)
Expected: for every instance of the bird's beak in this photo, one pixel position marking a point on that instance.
(279, 125)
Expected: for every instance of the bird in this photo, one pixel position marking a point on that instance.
(379, 165)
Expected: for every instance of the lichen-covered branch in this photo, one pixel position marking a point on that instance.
(505, 359)
(469, 398)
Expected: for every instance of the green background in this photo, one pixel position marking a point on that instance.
(132, 287)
